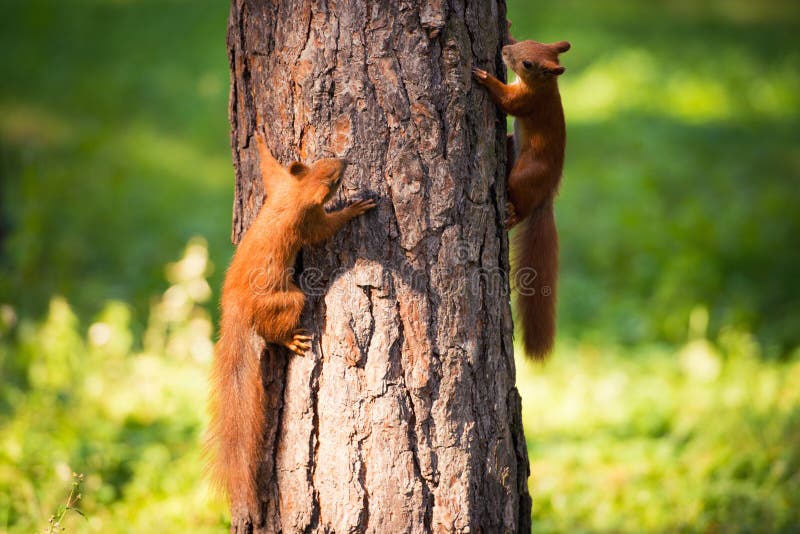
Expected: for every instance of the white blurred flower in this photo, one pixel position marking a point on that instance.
(700, 361)
(8, 317)
(99, 334)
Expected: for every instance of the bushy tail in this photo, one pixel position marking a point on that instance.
(236, 405)
(535, 278)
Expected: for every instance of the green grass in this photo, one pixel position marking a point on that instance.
(678, 220)
(703, 440)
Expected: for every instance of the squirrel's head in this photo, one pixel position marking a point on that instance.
(319, 181)
(535, 63)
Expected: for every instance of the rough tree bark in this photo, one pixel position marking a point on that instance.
(404, 417)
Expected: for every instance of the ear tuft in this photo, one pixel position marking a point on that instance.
(298, 169)
(561, 46)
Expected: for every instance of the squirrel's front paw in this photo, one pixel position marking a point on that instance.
(361, 206)
(479, 74)
(511, 218)
(297, 343)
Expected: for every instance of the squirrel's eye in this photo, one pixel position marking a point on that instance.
(527, 64)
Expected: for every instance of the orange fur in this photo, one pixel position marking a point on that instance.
(259, 295)
(536, 161)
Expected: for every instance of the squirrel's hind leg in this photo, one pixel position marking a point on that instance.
(530, 184)
(278, 314)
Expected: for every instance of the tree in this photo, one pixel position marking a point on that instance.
(404, 417)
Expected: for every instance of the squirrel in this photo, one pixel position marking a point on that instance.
(259, 295)
(535, 163)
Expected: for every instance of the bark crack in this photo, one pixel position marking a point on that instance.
(363, 519)
(413, 440)
(313, 445)
(276, 354)
(233, 117)
(371, 330)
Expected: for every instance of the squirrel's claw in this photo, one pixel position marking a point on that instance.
(299, 348)
(362, 206)
(366, 204)
(298, 343)
(511, 218)
(479, 74)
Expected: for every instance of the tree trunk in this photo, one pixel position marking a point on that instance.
(404, 416)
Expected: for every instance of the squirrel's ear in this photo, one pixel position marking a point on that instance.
(297, 169)
(561, 46)
(553, 68)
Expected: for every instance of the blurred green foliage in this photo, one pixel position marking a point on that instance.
(130, 420)
(114, 147)
(672, 403)
(682, 178)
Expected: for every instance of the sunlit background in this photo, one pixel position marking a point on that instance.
(672, 403)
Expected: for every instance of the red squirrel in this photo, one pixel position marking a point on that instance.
(258, 295)
(536, 160)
